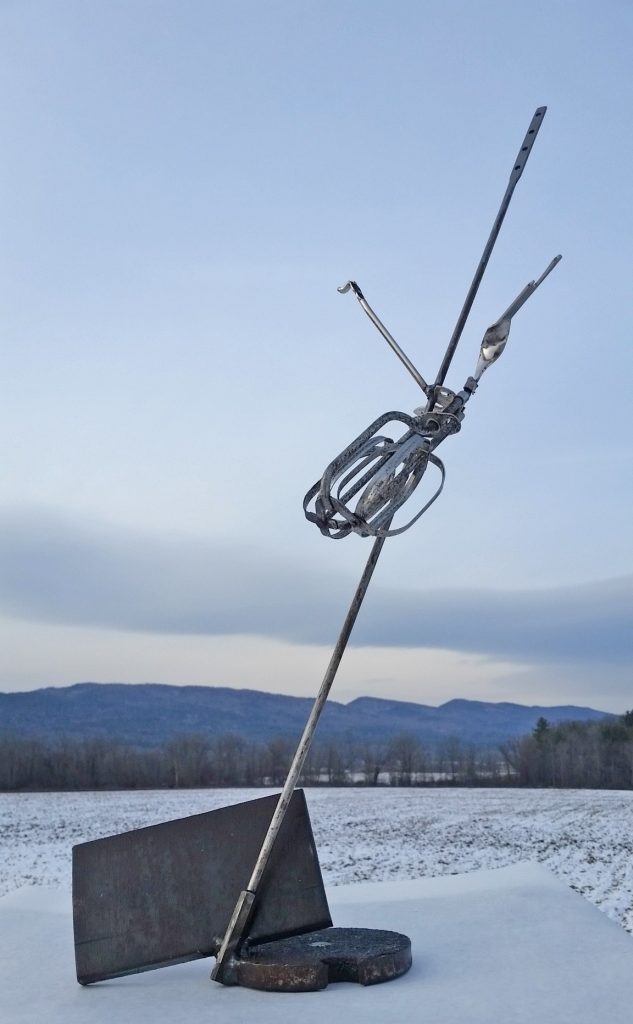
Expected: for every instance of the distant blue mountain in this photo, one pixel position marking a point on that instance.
(148, 714)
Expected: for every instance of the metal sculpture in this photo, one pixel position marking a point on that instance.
(386, 473)
(164, 894)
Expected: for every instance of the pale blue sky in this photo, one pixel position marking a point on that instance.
(183, 186)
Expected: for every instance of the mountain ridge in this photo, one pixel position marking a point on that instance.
(150, 714)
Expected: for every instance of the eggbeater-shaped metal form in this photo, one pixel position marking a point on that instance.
(363, 488)
(384, 471)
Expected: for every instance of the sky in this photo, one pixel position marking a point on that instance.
(183, 187)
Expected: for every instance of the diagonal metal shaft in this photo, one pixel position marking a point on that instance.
(517, 171)
(238, 925)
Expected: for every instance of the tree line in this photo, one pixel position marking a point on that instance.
(574, 754)
(195, 760)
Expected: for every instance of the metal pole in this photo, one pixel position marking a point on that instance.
(517, 171)
(241, 915)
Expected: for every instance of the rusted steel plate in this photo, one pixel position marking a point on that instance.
(164, 894)
(307, 963)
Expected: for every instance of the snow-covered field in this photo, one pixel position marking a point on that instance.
(583, 837)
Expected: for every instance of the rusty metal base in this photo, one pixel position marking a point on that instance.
(309, 962)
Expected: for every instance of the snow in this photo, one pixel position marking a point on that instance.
(584, 837)
(512, 945)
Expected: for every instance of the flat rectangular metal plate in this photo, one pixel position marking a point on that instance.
(164, 894)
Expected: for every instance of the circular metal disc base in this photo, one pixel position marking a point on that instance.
(306, 963)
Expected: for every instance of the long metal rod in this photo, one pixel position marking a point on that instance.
(308, 733)
(238, 925)
(517, 171)
(240, 920)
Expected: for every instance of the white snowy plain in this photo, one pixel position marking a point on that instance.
(583, 837)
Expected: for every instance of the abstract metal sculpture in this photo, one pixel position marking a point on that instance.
(142, 912)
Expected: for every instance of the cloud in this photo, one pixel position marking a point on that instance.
(54, 571)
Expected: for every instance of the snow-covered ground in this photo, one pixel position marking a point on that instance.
(583, 837)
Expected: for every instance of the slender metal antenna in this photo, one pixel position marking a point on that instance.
(517, 171)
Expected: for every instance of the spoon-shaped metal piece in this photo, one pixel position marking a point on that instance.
(495, 338)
